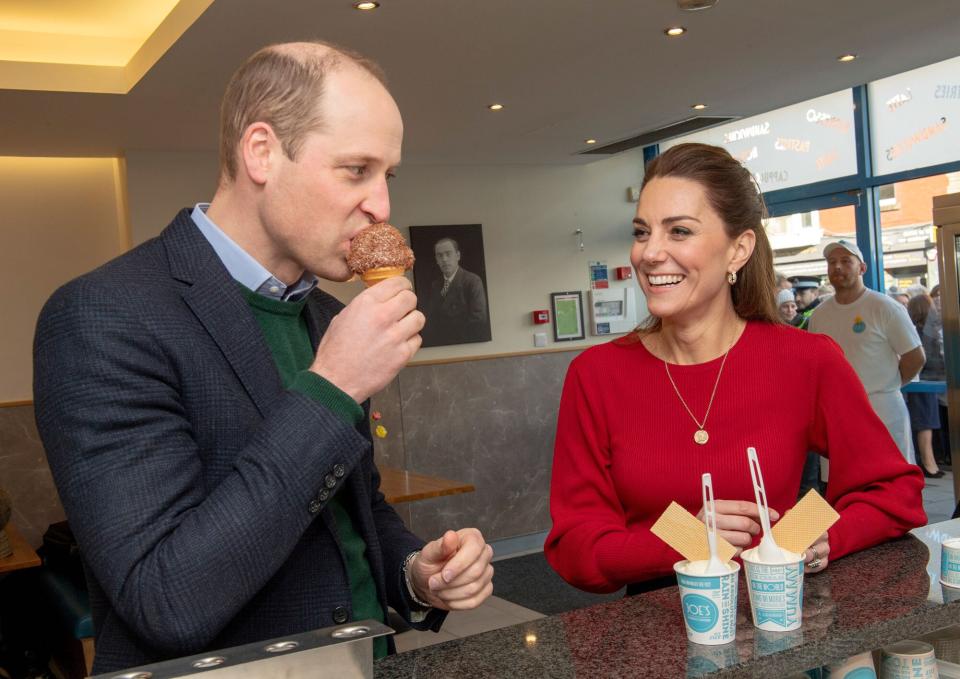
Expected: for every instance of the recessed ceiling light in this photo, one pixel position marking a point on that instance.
(495, 107)
(698, 107)
(589, 141)
(674, 31)
(695, 5)
(846, 57)
(364, 6)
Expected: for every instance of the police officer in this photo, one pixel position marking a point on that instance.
(806, 289)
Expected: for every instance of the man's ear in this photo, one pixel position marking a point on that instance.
(863, 268)
(258, 151)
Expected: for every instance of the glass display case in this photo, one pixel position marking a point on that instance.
(946, 218)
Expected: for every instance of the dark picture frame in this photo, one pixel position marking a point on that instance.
(568, 324)
(457, 310)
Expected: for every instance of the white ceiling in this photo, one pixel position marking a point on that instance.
(565, 69)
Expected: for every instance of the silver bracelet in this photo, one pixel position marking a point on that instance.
(406, 578)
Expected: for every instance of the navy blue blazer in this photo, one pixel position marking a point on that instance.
(193, 480)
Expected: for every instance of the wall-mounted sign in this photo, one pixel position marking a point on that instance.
(567, 315)
(599, 275)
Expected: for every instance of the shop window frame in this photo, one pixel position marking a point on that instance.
(861, 190)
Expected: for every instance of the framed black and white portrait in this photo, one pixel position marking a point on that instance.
(450, 279)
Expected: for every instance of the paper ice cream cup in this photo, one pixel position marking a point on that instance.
(709, 602)
(373, 276)
(949, 594)
(908, 660)
(775, 591)
(950, 562)
(856, 667)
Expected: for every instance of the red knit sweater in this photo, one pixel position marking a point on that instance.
(625, 450)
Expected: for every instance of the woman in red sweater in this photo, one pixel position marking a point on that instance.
(706, 376)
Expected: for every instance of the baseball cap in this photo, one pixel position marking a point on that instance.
(847, 245)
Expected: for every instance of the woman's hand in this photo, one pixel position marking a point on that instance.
(738, 521)
(817, 556)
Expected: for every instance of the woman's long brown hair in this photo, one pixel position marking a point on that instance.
(736, 198)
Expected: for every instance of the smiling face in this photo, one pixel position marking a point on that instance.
(313, 206)
(788, 311)
(682, 253)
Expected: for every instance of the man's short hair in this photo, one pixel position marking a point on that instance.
(281, 85)
(456, 245)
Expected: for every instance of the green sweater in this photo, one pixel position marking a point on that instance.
(285, 329)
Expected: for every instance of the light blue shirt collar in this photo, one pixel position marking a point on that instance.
(245, 269)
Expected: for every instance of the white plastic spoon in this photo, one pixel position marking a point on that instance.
(714, 565)
(768, 550)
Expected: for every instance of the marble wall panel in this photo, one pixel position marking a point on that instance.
(490, 423)
(389, 451)
(24, 474)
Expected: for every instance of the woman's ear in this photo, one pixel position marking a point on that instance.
(743, 246)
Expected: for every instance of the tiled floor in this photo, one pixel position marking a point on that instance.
(496, 612)
(938, 498)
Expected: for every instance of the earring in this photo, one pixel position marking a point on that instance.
(732, 277)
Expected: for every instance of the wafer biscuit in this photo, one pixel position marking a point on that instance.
(804, 523)
(685, 533)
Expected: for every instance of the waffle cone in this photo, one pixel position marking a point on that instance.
(373, 276)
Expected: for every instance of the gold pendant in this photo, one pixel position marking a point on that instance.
(701, 436)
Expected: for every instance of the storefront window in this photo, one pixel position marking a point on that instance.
(798, 239)
(907, 232)
(799, 144)
(914, 118)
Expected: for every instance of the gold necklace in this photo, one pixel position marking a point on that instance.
(700, 436)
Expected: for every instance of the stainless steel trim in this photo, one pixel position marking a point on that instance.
(344, 652)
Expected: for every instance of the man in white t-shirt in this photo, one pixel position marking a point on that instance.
(876, 335)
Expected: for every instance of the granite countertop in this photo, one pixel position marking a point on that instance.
(861, 602)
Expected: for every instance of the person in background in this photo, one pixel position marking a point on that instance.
(787, 306)
(942, 438)
(924, 406)
(783, 283)
(876, 336)
(642, 417)
(901, 297)
(811, 469)
(205, 407)
(807, 292)
(825, 292)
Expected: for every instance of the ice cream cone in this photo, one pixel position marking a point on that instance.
(373, 276)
